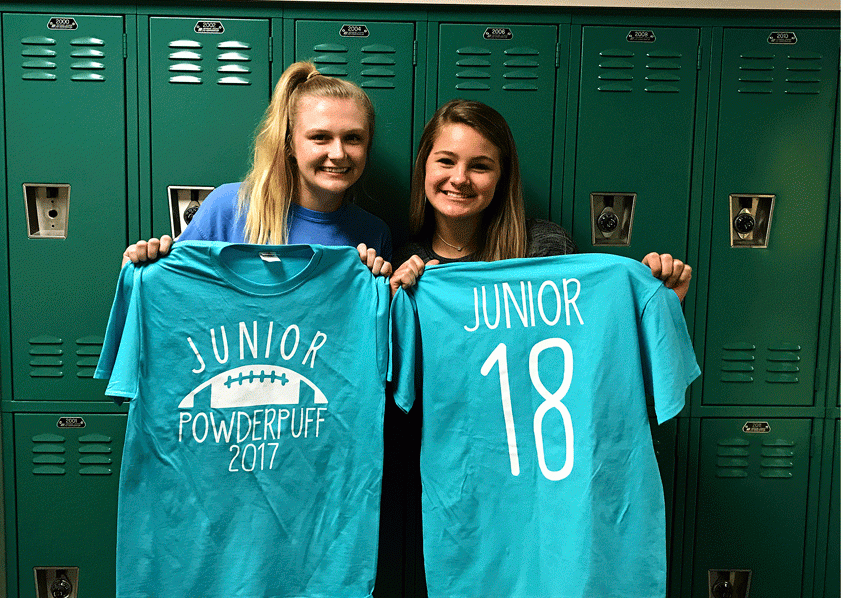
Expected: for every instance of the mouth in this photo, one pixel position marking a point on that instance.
(456, 194)
(336, 169)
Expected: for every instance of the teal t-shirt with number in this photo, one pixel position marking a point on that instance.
(539, 477)
(254, 447)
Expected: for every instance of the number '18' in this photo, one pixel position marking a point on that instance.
(551, 401)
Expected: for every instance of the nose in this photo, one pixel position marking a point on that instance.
(336, 150)
(458, 175)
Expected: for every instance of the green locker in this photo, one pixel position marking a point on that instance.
(64, 464)
(379, 57)
(769, 224)
(512, 68)
(752, 505)
(832, 556)
(209, 84)
(66, 195)
(635, 133)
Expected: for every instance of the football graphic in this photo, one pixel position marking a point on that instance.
(251, 385)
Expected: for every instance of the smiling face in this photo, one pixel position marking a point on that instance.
(461, 173)
(330, 142)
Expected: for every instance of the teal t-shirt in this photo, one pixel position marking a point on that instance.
(254, 447)
(539, 477)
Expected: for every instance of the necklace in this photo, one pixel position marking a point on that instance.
(448, 244)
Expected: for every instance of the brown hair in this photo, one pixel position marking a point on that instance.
(503, 232)
(268, 190)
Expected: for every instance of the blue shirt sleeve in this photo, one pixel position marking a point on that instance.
(405, 355)
(217, 218)
(120, 357)
(667, 353)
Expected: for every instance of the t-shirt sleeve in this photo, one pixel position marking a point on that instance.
(667, 353)
(405, 355)
(120, 357)
(216, 219)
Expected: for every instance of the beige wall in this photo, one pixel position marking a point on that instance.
(704, 4)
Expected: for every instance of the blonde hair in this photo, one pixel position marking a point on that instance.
(503, 228)
(272, 183)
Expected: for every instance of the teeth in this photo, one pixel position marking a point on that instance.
(335, 170)
(454, 194)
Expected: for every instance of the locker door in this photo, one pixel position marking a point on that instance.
(209, 85)
(634, 138)
(752, 504)
(66, 483)
(512, 68)
(777, 108)
(379, 58)
(66, 148)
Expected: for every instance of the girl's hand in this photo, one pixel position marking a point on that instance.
(373, 261)
(408, 274)
(675, 273)
(147, 251)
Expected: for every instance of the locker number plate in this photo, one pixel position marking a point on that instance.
(209, 27)
(782, 37)
(62, 24)
(70, 422)
(756, 428)
(641, 36)
(504, 33)
(354, 31)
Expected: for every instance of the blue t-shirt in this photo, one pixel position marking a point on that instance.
(539, 477)
(254, 447)
(218, 219)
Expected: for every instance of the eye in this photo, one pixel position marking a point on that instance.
(354, 138)
(445, 161)
(319, 137)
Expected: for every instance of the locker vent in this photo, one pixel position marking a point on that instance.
(46, 357)
(520, 72)
(95, 455)
(41, 60)
(803, 73)
(88, 353)
(800, 70)
(732, 458)
(736, 364)
(48, 451)
(186, 61)
(37, 58)
(783, 364)
(777, 458)
(616, 70)
(377, 64)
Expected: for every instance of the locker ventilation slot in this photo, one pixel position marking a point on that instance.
(753, 77)
(777, 458)
(36, 69)
(48, 451)
(783, 364)
(732, 458)
(803, 83)
(95, 455)
(737, 360)
(329, 63)
(88, 353)
(46, 353)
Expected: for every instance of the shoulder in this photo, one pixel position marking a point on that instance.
(358, 214)
(216, 219)
(412, 248)
(547, 238)
(224, 196)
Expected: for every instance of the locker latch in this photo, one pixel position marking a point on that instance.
(750, 216)
(46, 210)
(184, 203)
(728, 583)
(611, 218)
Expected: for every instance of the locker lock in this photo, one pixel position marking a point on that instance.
(611, 218)
(722, 589)
(608, 221)
(61, 588)
(190, 211)
(744, 223)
